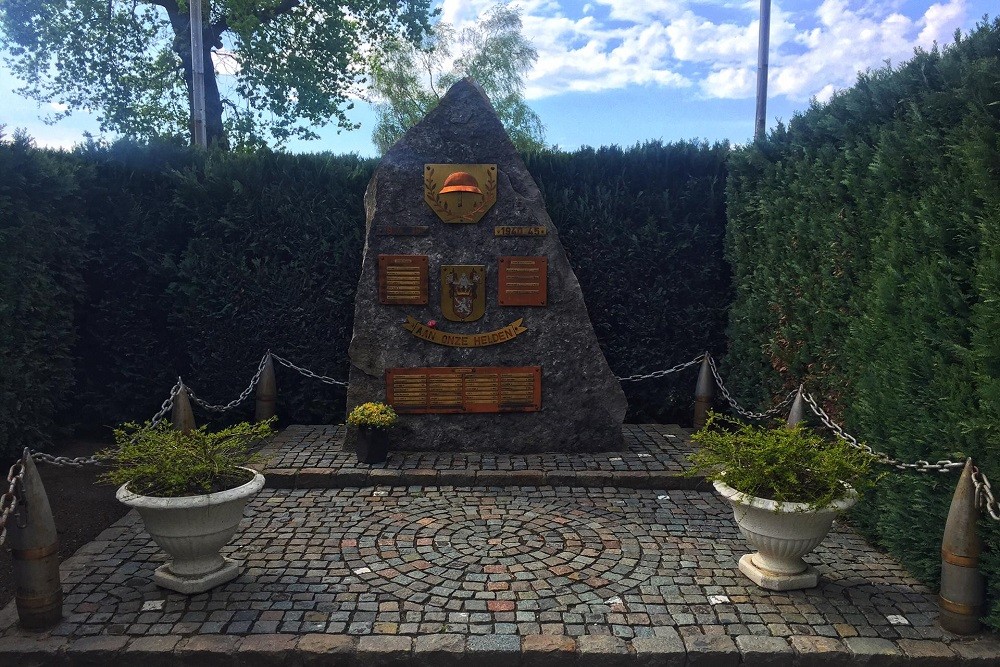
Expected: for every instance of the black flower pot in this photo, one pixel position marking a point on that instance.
(372, 445)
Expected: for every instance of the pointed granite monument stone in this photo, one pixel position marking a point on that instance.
(469, 319)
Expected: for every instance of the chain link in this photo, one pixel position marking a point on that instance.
(659, 374)
(242, 397)
(307, 373)
(943, 465)
(984, 494)
(747, 414)
(9, 500)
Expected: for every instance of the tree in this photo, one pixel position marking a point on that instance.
(409, 80)
(293, 65)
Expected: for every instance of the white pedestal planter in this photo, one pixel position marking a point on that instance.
(192, 530)
(782, 533)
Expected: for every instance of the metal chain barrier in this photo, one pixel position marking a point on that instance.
(306, 372)
(944, 465)
(10, 498)
(659, 374)
(81, 461)
(747, 414)
(242, 397)
(984, 494)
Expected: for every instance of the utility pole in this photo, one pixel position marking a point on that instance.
(198, 133)
(762, 50)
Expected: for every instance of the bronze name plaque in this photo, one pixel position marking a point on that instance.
(402, 280)
(406, 230)
(523, 281)
(450, 390)
(520, 231)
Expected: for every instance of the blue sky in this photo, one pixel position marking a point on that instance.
(626, 71)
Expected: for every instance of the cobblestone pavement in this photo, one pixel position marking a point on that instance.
(471, 559)
(501, 571)
(314, 457)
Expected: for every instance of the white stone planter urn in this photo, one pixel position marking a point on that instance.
(782, 533)
(192, 530)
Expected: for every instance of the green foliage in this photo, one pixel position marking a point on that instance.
(156, 460)
(373, 415)
(43, 248)
(866, 260)
(783, 464)
(643, 228)
(194, 263)
(285, 66)
(409, 79)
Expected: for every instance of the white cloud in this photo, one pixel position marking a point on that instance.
(712, 44)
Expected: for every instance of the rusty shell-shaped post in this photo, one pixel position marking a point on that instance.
(181, 415)
(34, 547)
(963, 586)
(798, 412)
(703, 392)
(266, 405)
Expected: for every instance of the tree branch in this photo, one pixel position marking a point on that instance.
(265, 16)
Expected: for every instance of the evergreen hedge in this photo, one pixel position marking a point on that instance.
(866, 260)
(153, 262)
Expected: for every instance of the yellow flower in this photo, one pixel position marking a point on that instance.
(374, 415)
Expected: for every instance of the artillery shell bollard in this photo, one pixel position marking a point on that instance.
(267, 393)
(703, 392)
(35, 553)
(963, 586)
(181, 415)
(798, 412)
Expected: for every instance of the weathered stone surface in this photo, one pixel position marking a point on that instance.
(582, 402)
(601, 651)
(547, 651)
(763, 651)
(873, 651)
(923, 653)
(664, 650)
(711, 650)
(438, 650)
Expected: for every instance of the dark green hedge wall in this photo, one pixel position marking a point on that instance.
(864, 245)
(156, 261)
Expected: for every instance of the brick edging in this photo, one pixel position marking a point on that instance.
(671, 648)
(339, 478)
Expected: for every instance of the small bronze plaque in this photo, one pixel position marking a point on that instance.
(408, 230)
(523, 281)
(463, 292)
(520, 231)
(402, 280)
(460, 192)
(464, 390)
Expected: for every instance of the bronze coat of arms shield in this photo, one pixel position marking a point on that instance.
(463, 292)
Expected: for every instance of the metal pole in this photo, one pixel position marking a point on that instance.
(198, 133)
(762, 51)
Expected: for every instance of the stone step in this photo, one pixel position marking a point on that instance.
(313, 457)
(455, 650)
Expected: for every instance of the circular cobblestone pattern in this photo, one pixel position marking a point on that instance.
(557, 550)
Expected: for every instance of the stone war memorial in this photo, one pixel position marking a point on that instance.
(469, 320)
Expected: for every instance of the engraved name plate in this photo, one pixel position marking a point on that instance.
(450, 390)
(523, 281)
(402, 280)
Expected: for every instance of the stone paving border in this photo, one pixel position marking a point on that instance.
(444, 650)
(313, 457)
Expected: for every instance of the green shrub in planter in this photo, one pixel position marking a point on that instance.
(782, 464)
(156, 460)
